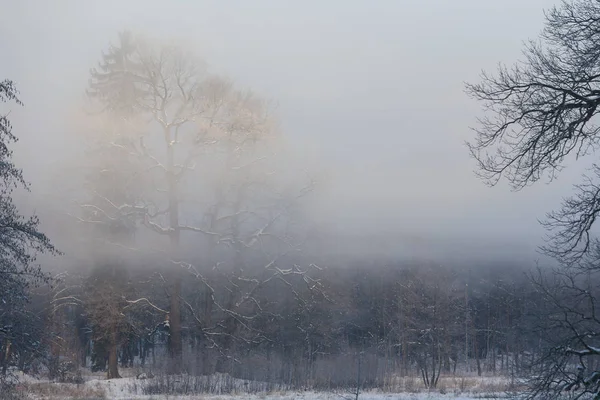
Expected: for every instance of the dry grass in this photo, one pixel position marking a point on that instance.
(55, 391)
(472, 386)
(451, 384)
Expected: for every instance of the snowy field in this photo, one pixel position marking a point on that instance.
(224, 387)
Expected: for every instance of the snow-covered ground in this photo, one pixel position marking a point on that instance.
(302, 396)
(95, 387)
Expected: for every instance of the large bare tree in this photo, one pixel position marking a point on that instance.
(203, 157)
(164, 103)
(541, 113)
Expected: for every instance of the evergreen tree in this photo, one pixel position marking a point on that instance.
(20, 243)
(113, 183)
(117, 81)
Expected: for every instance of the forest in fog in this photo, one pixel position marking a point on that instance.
(193, 254)
(181, 243)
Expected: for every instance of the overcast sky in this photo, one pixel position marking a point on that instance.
(370, 91)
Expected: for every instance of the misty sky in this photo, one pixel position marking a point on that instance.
(370, 92)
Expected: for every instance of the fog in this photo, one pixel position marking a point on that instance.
(370, 97)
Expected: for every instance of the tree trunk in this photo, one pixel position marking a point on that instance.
(439, 371)
(517, 369)
(494, 361)
(455, 365)
(113, 357)
(207, 367)
(175, 341)
(231, 323)
(477, 355)
(467, 327)
(143, 351)
(358, 378)
(54, 360)
(84, 354)
(207, 364)
(6, 353)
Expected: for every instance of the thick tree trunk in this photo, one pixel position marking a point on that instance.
(113, 363)
(113, 357)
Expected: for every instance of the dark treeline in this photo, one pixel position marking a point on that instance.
(306, 329)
